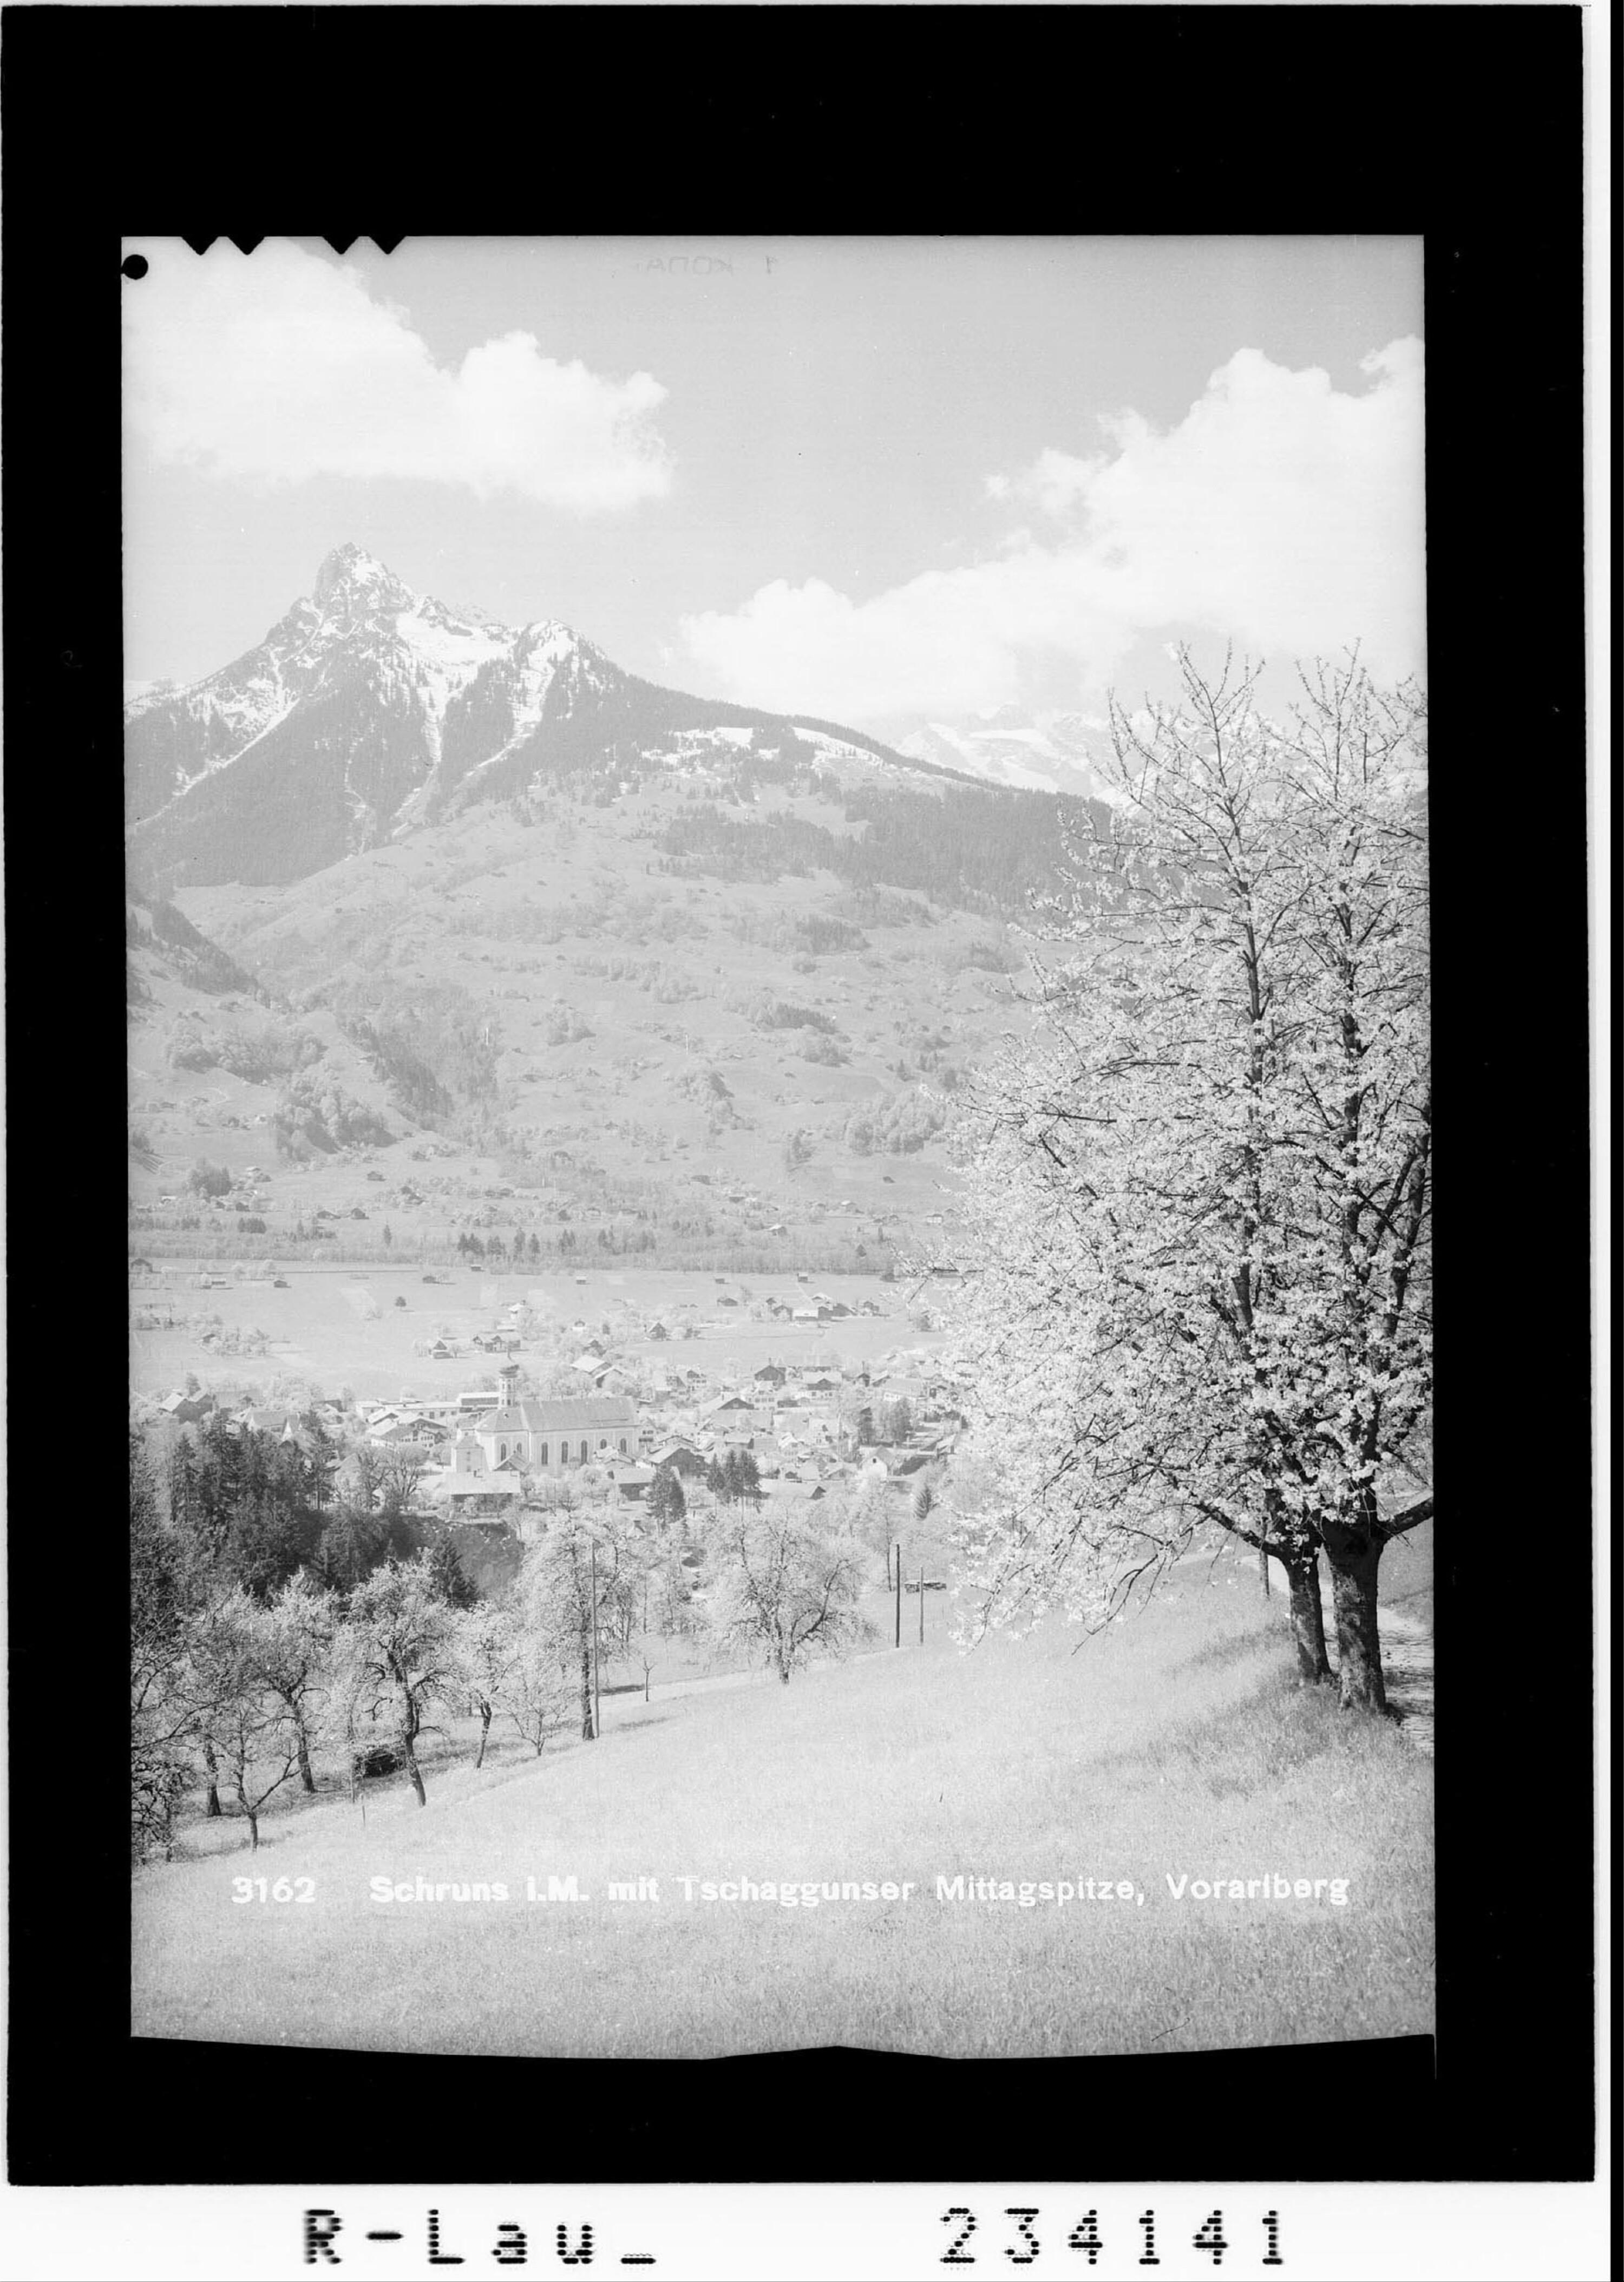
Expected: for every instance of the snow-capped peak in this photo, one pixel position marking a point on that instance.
(350, 575)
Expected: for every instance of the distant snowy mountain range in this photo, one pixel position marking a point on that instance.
(1029, 752)
(370, 709)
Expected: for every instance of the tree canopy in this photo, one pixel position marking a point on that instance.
(1200, 1194)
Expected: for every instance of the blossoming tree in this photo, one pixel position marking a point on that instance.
(1200, 1191)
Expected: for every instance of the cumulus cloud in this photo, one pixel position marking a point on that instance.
(278, 366)
(1280, 511)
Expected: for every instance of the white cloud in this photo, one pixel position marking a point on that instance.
(278, 366)
(1279, 511)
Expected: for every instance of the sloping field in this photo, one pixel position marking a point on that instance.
(1176, 1747)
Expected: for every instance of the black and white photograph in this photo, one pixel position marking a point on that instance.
(780, 1137)
(807, 932)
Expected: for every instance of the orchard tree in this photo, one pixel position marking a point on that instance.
(786, 1586)
(1200, 1198)
(558, 1586)
(400, 1469)
(400, 1635)
(166, 1584)
(537, 1687)
(485, 1644)
(295, 1647)
(553, 1604)
(256, 1741)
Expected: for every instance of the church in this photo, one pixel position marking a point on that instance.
(556, 1437)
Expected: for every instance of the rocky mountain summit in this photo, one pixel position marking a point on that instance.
(369, 709)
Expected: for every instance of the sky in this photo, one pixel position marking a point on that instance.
(878, 479)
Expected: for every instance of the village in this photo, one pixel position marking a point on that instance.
(626, 1391)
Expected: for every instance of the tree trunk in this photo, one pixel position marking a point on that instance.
(305, 1775)
(1308, 1619)
(484, 1735)
(254, 1820)
(213, 1807)
(408, 1739)
(589, 1733)
(1354, 1555)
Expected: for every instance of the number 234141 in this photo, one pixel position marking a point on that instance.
(1086, 2236)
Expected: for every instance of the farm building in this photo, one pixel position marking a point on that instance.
(468, 1495)
(186, 1410)
(679, 1454)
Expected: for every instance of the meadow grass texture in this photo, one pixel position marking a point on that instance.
(1176, 1743)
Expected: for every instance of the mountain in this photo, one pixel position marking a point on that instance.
(462, 922)
(1031, 752)
(369, 709)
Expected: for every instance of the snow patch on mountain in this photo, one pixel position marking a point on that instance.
(1043, 752)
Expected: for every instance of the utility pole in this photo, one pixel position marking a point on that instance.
(899, 1596)
(922, 1608)
(597, 1708)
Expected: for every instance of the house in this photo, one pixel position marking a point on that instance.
(186, 1410)
(658, 1330)
(263, 1418)
(791, 1490)
(679, 1453)
(772, 1374)
(725, 1402)
(468, 1495)
(467, 1457)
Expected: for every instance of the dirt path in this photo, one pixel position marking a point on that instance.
(1406, 1666)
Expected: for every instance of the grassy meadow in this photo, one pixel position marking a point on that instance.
(1176, 1743)
(315, 1330)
